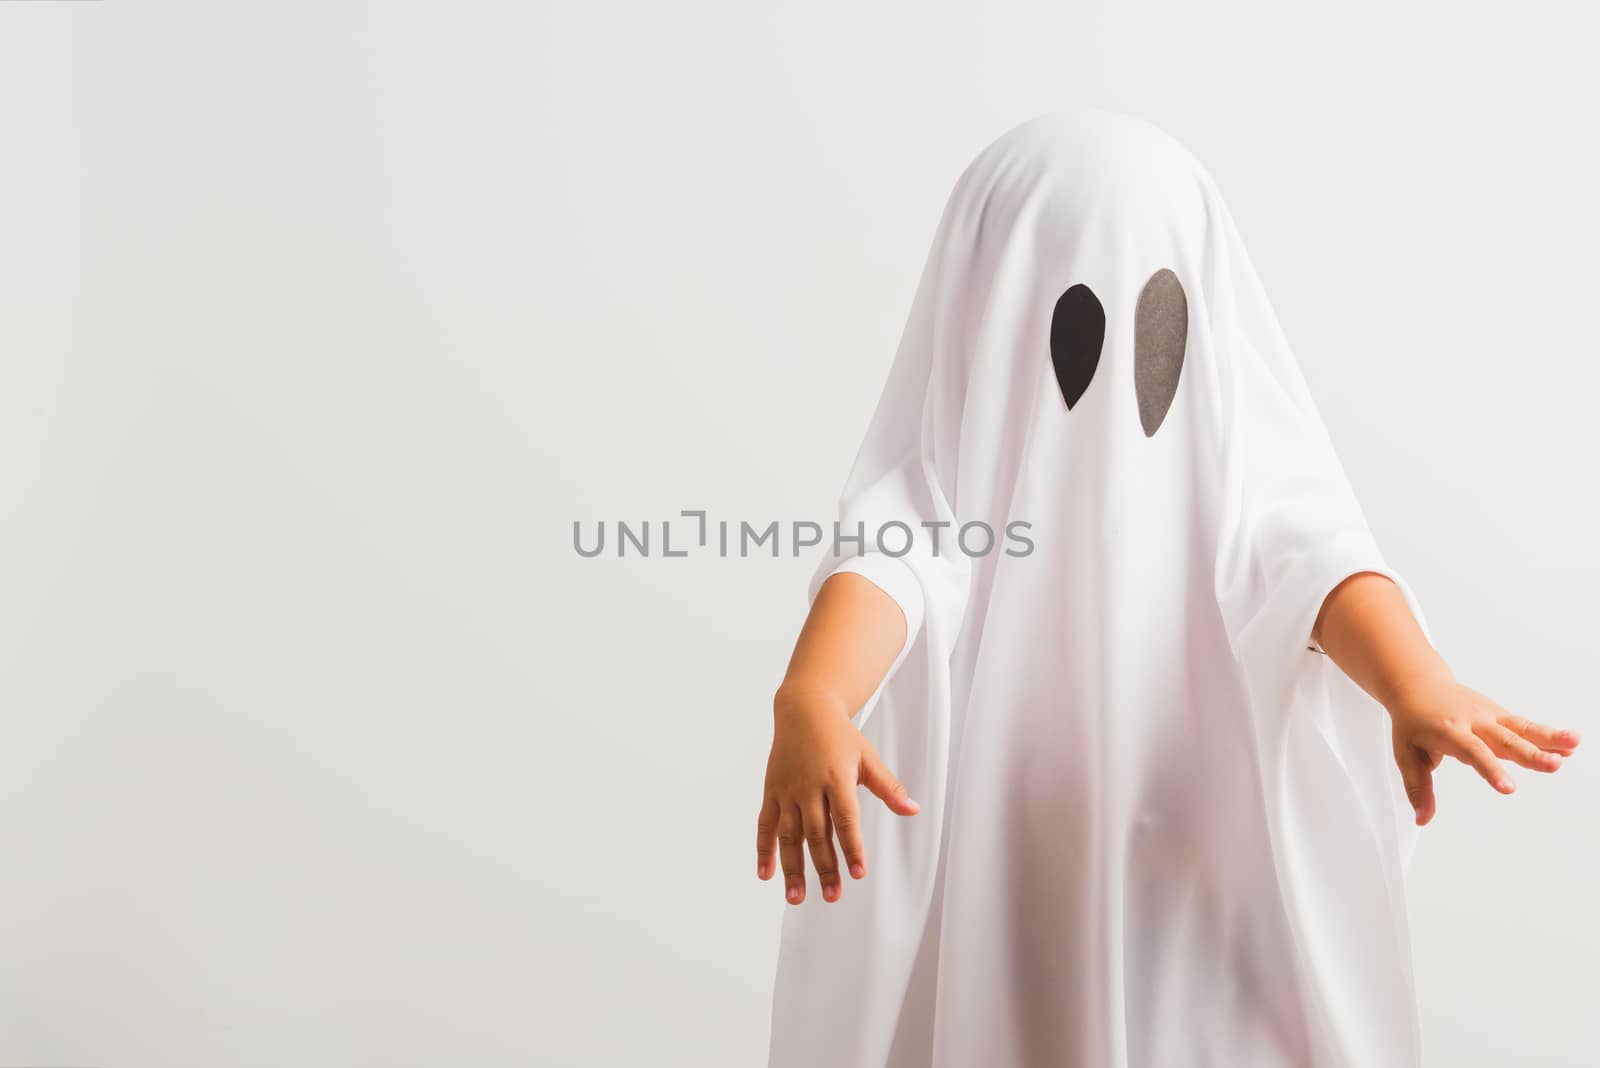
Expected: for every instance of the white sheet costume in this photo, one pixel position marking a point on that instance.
(1159, 829)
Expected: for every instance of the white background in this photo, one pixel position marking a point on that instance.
(321, 322)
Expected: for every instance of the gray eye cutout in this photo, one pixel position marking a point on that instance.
(1077, 332)
(1160, 335)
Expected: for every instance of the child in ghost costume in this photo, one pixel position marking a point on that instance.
(1171, 734)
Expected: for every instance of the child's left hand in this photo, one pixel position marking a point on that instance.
(1437, 716)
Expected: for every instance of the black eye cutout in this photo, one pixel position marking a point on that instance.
(1077, 331)
(1160, 336)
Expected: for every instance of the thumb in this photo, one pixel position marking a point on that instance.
(876, 777)
(1416, 771)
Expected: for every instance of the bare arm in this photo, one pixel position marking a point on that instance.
(848, 643)
(852, 635)
(1367, 629)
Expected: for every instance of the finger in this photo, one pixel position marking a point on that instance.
(766, 837)
(819, 840)
(791, 855)
(876, 777)
(1512, 746)
(845, 809)
(1472, 751)
(1416, 771)
(1545, 737)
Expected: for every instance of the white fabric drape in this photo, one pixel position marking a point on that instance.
(1158, 828)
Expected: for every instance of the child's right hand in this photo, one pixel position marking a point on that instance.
(818, 759)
